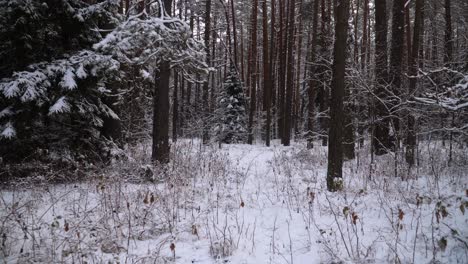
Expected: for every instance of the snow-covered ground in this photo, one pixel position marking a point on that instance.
(245, 204)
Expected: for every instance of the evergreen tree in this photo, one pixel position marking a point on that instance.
(231, 117)
(55, 91)
(70, 67)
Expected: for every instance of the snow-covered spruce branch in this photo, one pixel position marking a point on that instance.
(54, 84)
(143, 40)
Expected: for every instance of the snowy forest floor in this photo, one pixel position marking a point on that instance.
(245, 204)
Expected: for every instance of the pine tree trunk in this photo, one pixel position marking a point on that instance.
(289, 75)
(281, 70)
(228, 33)
(253, 72)
(381, 140)
(212, 90)
(324, 93)
(408, 35)
(396, 59)
(348, 127)
(266, 73)
(160, 149)
(356, 31)
(364, 35)
(273, 54)
(175, 107)
(297, 91)
(335, 148)
(234, 33)
(448, 34)
(348, 106)
(364, 66)
(413, 71)
(312, 84)
(205, 95)
(161, 114)
(182, 107)
(242, 54)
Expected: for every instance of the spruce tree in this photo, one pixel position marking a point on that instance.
(55, 91)
(231, 117)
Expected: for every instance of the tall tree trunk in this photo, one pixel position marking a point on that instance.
(413, 71)
(297, 85)
(364, 35)
(197, 100)
(253, 73)
(289, 75)
(349, 105)
(364, 66)
(448, 56)
(182, 106)
(408, 35)
(266, 73)
(281, 69)
(381, 141)
(348, 126)
(228, 33)
(335, 148)
(356, 31)
(448, 34)
(160, 149)
(396, 59)
(273, 53)
(205, 95)
(312, 84)
(242, 54)
(175, 107)
(324, 93)
(212, 92)
(234, 33)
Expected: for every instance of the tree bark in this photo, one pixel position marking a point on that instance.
(364, 67)
(281, 69)
(253, 72)
(322, 73)
(266, 73)
(448, 34)
(160, 148)
(297, 85)
(396, 59)
(205, 95)
(312, 84)
(161, 114)
(234, 33)
(335, 148)
(413, 71)
(381, 140)
(273, 53)
(175, 107)
(289, 75)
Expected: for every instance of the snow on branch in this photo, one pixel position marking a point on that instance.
(8, 131)
(48, 83)
(454, 99)
(32, 85)
(151, 40)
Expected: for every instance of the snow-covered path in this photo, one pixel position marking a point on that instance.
(281, 234)
(263, 219)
